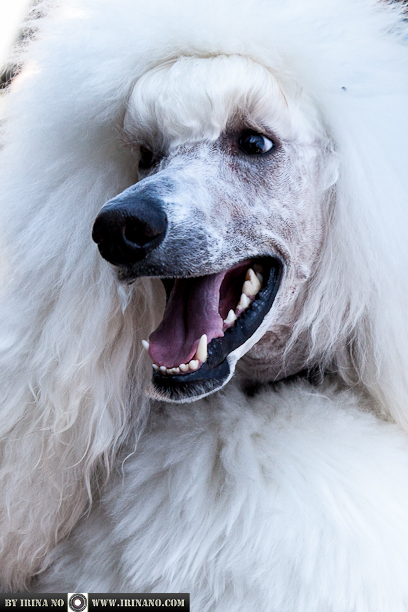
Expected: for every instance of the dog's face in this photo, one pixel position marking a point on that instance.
(228, 210)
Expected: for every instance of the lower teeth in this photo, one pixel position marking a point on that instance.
(251, 287)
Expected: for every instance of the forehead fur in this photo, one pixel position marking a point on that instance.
(195, 98)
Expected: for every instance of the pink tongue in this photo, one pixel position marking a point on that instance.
(192, 310)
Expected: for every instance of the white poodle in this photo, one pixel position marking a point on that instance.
(253, 155)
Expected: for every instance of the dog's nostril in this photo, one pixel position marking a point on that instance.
(139, 232)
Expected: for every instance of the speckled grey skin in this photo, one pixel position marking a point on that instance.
(224, 206)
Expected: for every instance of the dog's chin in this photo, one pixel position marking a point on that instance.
(210, 307)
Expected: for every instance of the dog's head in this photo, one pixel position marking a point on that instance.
(228, 212)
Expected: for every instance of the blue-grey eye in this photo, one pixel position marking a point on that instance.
(253, 143)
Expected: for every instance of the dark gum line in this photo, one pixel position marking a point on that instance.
(217, 356)
(224, 330)
(168, 284)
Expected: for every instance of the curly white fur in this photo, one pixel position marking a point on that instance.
(73, 377)
(290, 501)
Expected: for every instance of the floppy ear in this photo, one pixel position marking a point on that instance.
(356, 310)
(72, 376)
(72, 373)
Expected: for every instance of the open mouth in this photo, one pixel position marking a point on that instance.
(205, 320)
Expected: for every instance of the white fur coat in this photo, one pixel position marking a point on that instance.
(290, 500)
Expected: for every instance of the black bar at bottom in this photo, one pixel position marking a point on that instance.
(89, 602)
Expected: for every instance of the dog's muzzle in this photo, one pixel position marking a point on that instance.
(210, 319)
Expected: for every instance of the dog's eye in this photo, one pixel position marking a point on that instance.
(255, 144)
(146, 158)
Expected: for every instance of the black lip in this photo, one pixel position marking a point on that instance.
(216, 370)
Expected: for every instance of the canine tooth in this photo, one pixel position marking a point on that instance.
(250, 274)
(249, 289)
(155, 367)
(231, 317)
(145, 344)
(193, 364)
(252, 285)
(163, 369)
(201, 352)
(244, 302)
(183, 367)
(256, 281)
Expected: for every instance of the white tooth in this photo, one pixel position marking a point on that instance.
(201, 352)
(231, 317)
(183, 367)
(145, 344)
(163, 369)
(169, 370)
(244, 302)
(250, 274)
(176, 370)
(155, 367)
(248, 288)
(251, 285)
(193, 364)
(256, 280)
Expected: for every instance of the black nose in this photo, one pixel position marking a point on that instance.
(130, 226)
